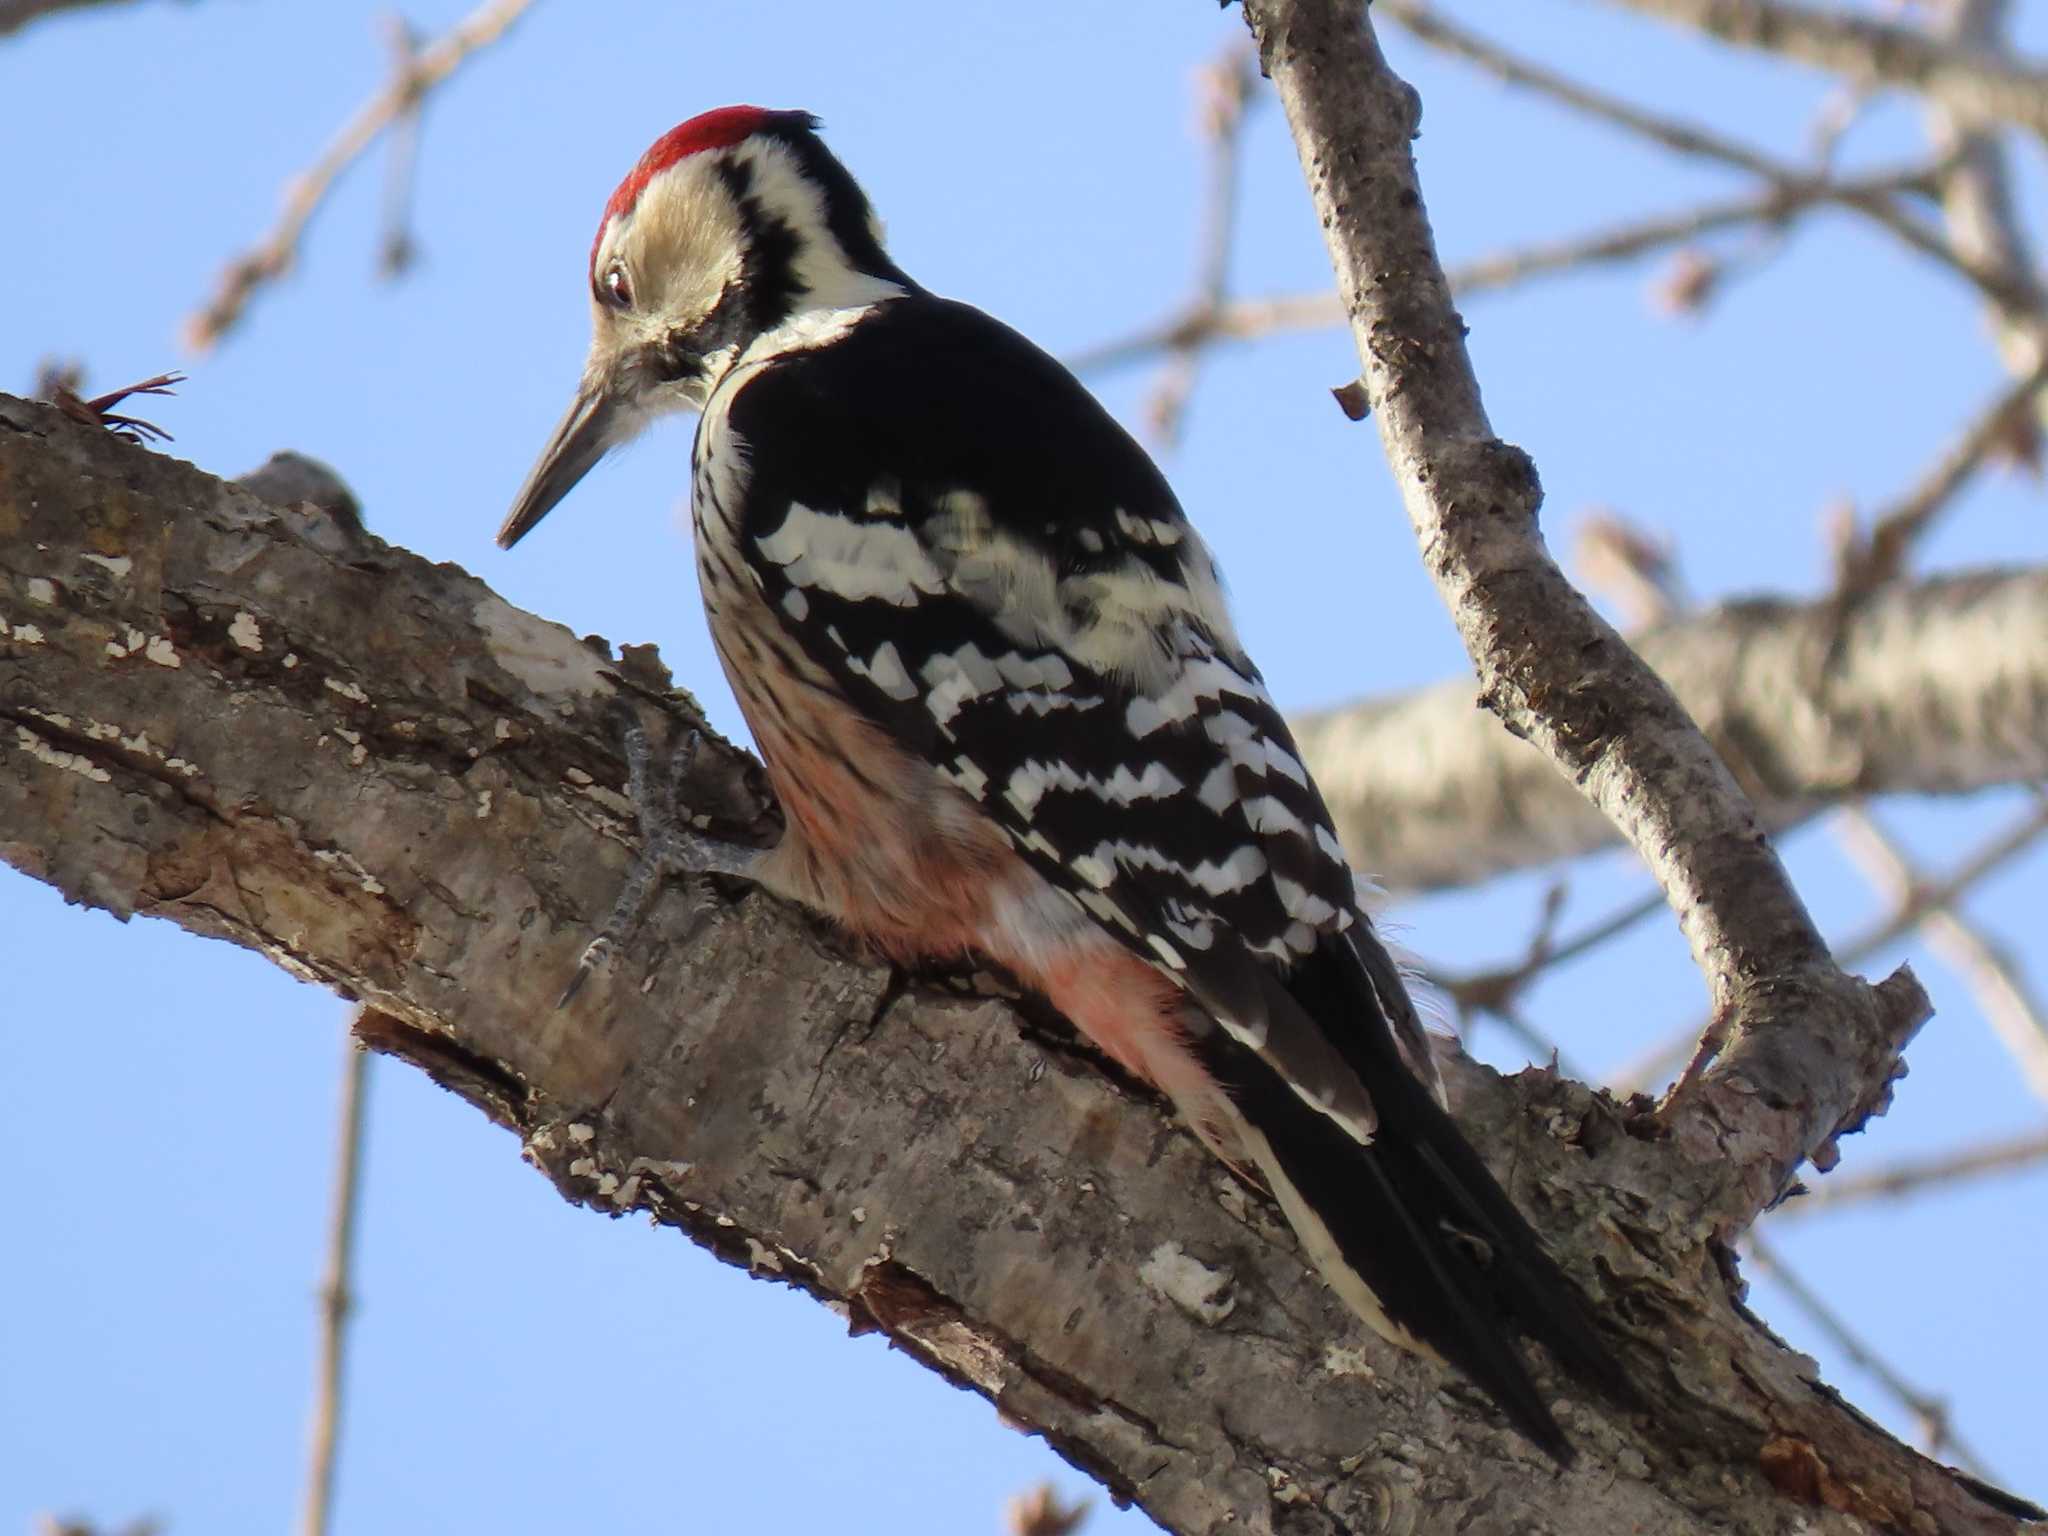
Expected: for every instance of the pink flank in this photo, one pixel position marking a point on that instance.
(915, 867)
(716, 129)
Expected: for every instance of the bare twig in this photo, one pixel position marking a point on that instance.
(1924, 899)
(1201, 325)
(397, 249)
(1937, 1434)
(1865, 561)
(1041, 1512)
(1877, 203)
(1633, 569)
(1978, 208)
(16, 14)
(1865, 50)
(1993, 976)
(273, 256)
(1497, 993)
(60, 387)
(336, 1297)
(1226, 89)
(2010, 1154)
(1776, 203)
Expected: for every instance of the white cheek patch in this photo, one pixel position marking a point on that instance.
(854, 560)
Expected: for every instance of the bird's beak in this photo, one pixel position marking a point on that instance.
(591, 426)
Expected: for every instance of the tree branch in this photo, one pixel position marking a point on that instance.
(264, 726)
(1795, 184)
(1936, 688)
(1808, 1049)
(1861, 49)
(16, 14)
(419, 72)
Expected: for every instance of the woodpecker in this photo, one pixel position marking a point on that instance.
(990, 671)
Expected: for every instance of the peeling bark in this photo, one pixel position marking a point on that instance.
(259, 725)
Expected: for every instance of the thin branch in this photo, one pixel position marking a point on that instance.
(16, 14)
(1880, 556)
(1924, 899)
(2013, 1154)
(1497, 993)
(1226, 89)
(1937, 1433)
(1993, 976)
(1861, 49)
(272, 257)
(397, 248)
(1200, 325)
(1775, 204)
(1041, 1512)
(1979, 210)
(337, 1296)
(1877, 203)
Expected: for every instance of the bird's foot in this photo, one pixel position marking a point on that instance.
(668, 844)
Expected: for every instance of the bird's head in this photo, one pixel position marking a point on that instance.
(731, 224)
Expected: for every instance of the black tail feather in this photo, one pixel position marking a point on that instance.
(1419, 1219)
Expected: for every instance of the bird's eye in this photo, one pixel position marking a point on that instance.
(616, 289)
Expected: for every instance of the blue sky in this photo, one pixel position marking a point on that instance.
(169, 1100)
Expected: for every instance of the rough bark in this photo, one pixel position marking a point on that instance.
(265, 727)
(1936, 688)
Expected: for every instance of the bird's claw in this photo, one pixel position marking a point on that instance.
(667, 844)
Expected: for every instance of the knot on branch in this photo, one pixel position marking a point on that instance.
(1810, 1057)
(1485, 477)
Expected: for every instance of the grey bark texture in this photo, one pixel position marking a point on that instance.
(1805, 1051)
(1940, 687)
(264, 726)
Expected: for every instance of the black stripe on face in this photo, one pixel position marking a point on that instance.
(848, 214)
(767, 291)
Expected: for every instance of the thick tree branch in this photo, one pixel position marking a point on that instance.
(1936, 688)
(263, 726)
(1808, 1049)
